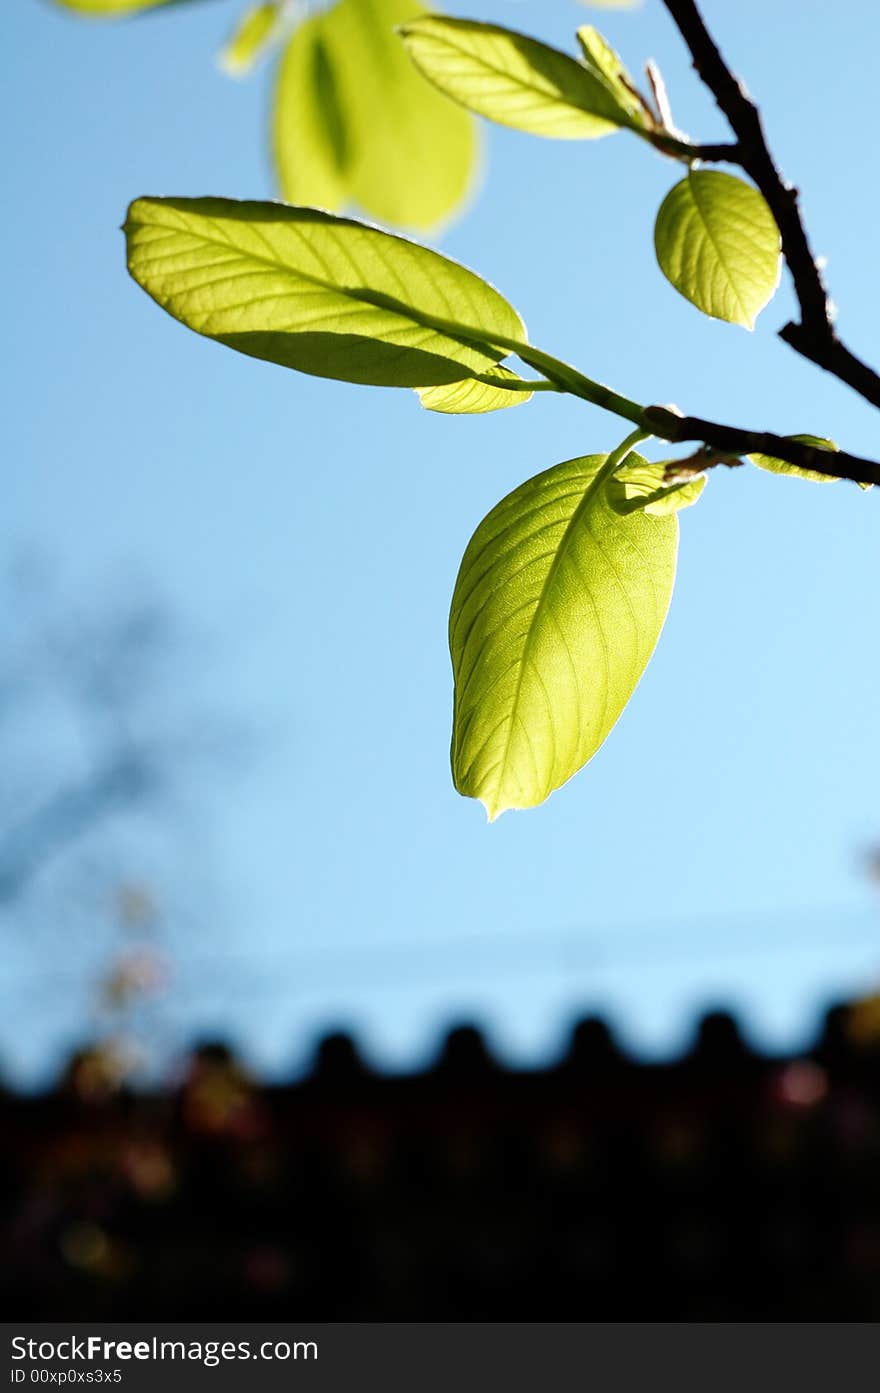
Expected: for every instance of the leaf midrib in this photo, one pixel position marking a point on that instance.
(453, 329)
(596, 482)
(716, 246)
(556, 95)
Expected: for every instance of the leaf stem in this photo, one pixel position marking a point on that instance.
(674, 427)
(562, 376)
(575, 383)
(679, 149)
(516, 384)
(669, 424)
(623, 450)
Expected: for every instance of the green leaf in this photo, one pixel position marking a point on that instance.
(114, 9)
(311, 141)
(514, 80)
(320, 293)
(557, 608)
(251, 37)
(354, 123)
(717, 243)
(471, 397)
(602, 59)
(778, 466)
(646, 486)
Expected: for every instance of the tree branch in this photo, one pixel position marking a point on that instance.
(725, 152)
(731, 440)
(69, 814)
(814, 337)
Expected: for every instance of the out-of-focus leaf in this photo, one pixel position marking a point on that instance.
(251, 37)
(354, 123)
(115, 9)
(323, 294)
(310, 136)
(718, 244)
(557, 608)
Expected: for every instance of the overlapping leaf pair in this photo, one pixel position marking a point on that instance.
(564, 587)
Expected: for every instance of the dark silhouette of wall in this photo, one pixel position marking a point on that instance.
(723, 1186)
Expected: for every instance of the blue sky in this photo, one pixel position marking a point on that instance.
(711, 851)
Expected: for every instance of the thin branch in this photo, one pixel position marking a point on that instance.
(669, 424)
(660, 95)
(731, 440)
(815, 336)
(724, 152)
(68, 815)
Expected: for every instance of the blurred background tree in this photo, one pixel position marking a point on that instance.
(103, 854)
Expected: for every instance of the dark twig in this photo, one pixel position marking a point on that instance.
(725, 152)
(814, 337)
(731, 440)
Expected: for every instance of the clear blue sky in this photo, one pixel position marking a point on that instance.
(711, 850)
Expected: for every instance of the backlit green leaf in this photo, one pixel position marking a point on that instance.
(557, 608)
(324, 294)
(250, 39)
(779, 466)
(646, 486)
(718, 244)
(512, 79)
(602, 59)
(471, 397)
(354, 123)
